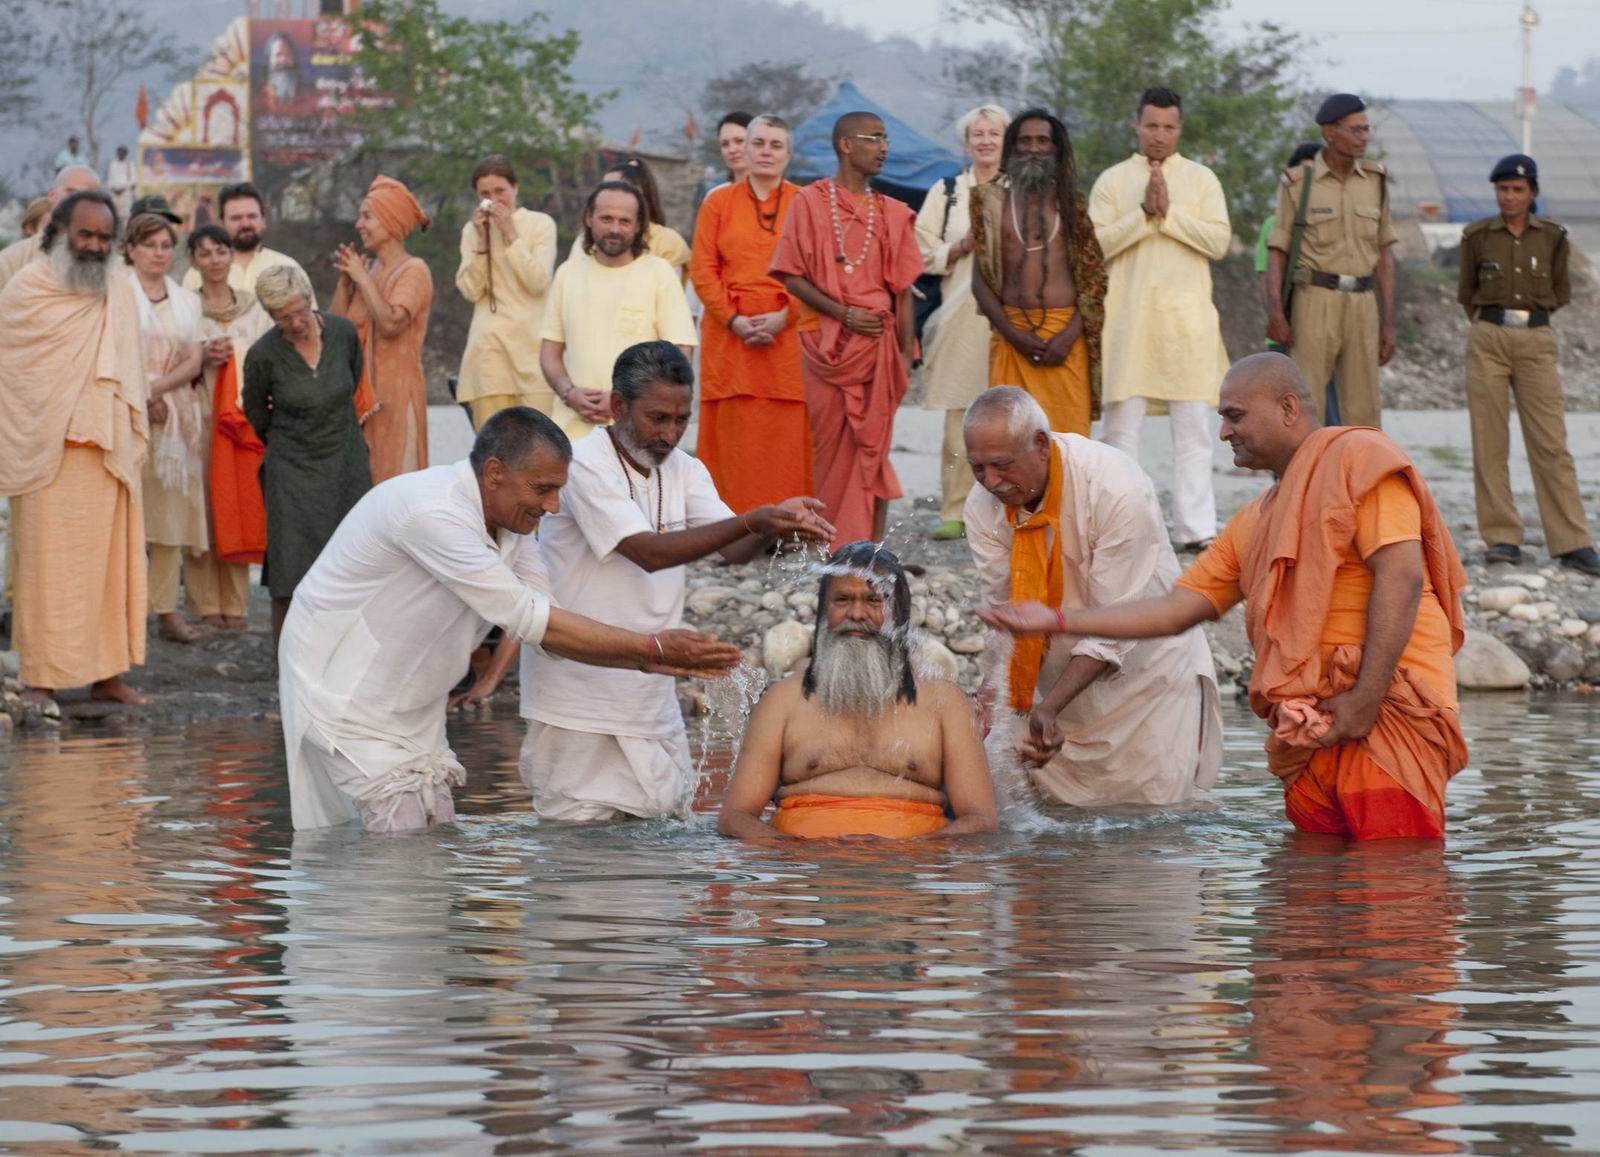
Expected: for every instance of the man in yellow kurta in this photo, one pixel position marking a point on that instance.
(73, 438)
(1161, 220)
(242, 213)
(508, 254)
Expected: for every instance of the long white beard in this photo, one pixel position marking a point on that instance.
(86, 276)
(854, 674)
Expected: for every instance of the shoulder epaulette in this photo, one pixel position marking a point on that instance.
(1478, 226)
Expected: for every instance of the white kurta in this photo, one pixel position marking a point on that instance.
(1162, 336)
(591, 578)
(381, 628)
(956, 338)
(1150, 730)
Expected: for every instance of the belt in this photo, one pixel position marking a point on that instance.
(1344, 282)
(1514, 318)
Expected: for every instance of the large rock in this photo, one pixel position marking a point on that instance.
(1503, 598)
(1484, 663)
(706, 600)
(784, 647)
(931, 659)
(1564, 664)
(1534, 582)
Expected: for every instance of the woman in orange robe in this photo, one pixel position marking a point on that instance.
(388, 300)
(754, 436)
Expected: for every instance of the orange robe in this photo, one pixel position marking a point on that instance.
(827, 817)
(754, 438)
(1307, 590)
(397, 434)
(238, 514)
(853, 383)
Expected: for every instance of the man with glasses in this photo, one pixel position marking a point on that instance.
(1343, 275)
(850, 254)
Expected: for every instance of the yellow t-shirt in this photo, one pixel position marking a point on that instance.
(597, 311)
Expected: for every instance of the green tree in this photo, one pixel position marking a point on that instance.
(1088, 60)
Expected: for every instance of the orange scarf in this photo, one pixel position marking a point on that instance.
(1037, 575)
(238, 514)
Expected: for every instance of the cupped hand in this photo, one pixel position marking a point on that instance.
(685, 652)
(797, 518)
(1043, 738)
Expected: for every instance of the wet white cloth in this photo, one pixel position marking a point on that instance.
(584, 777)
(1194, 502)
(590, 577)
(1149, 731)
(381, 628)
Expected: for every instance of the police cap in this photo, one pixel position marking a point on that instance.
(1338, 106)
(1514, 166)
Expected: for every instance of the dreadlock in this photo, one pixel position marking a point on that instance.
(1066, 190)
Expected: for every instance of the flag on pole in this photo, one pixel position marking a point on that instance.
(141, 110)
(633, 141)
(691, 129)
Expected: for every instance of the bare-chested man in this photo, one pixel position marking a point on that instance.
(1039, 277)
(858, 745)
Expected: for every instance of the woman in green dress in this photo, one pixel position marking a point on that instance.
(300, 383)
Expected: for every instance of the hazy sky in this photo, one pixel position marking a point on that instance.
(1452, 49)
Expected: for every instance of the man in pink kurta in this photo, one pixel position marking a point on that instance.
(851, 255)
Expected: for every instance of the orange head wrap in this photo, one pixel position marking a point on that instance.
(393, 205)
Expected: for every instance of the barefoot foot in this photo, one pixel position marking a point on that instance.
(115, 690)
(173, 628)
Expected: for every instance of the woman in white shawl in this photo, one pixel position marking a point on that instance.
(180, 423)
(231, 320)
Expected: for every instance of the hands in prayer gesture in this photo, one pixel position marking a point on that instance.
(1156, 198)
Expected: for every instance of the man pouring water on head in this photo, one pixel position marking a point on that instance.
(385, 621)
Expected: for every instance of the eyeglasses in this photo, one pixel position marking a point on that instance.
(875, 138)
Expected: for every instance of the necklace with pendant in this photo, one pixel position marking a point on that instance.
(1017, 228)
(838, 228)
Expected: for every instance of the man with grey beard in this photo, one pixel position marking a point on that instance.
(1039, 276)
(859, 745)
(70, 180)
(73, 437)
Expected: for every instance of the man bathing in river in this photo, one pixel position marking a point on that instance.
(1353, 608)
(858, 745)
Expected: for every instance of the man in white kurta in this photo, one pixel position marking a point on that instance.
(1161, 219)
(1147, 728)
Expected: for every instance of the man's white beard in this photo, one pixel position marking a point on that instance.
(635, 451)
(87, 277)
(854, 674)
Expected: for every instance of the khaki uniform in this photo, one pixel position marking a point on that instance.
(1519, 273)
(1347, 229)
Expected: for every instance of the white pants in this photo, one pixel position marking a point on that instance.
(1194, 503)
(583, 776)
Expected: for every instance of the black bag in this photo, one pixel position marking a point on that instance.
(927, 292)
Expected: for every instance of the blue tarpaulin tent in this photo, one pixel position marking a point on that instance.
(914, 163)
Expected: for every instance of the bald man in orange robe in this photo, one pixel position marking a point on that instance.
(851, 255)
(1353, 590)
(755, 436)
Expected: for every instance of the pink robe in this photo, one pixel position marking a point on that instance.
(853, 383)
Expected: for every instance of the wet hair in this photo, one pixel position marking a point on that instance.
(494, 165)
(649, 362)
(513, 434)
(61, 215)
(1159, 97)
(637, 173)
(640, 240)
(213, 233)
(742, 119)
(846, 126)
(143, 227)
(242, 191)
(1304, 154)
(880, 567)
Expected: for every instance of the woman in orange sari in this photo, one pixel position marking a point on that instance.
(388, 299)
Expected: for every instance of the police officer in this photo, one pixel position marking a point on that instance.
(1513, 277)
(1343, 312)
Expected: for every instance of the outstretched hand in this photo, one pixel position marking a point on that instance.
(794, 518)
(1028, 618)
(685, 652)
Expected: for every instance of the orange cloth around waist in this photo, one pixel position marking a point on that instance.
(823, 817)
(1344, 792)
(1062, 391)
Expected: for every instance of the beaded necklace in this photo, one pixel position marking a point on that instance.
(838, 227)
(767, 221)
(627, 476)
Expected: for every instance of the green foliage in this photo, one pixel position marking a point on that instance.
(1090, 60)
(451, 86)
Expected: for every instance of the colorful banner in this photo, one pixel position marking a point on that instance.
(303, 86)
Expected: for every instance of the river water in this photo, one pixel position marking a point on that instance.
(182, 973)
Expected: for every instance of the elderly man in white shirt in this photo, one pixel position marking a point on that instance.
(387, 618)
(635, 510)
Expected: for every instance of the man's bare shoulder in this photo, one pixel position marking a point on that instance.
(785, 694)
(942, 696)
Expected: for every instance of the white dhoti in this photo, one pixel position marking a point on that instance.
(583, 776)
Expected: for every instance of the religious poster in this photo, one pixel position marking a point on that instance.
(199, 138)
(303, 87)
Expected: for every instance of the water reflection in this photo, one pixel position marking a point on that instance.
(183, 973)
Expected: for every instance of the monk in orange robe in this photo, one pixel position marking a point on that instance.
(851, 255)
(1353, 591)
(754, 438)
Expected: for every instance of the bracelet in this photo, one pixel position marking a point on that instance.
(1061, 621)
(661, 653)
(744, 521)
(848, 310)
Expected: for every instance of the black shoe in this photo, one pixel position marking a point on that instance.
(1507, 552)
(1583, 559)
(1195, 547)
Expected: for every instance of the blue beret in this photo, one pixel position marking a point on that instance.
(1338, 106)
(1514, 166)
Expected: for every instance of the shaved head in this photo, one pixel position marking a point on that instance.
(1267, 410)
(1271, 375)
(70, 180)
(852, 123)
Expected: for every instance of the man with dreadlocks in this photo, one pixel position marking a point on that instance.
(1040, 278)
(858, 745)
